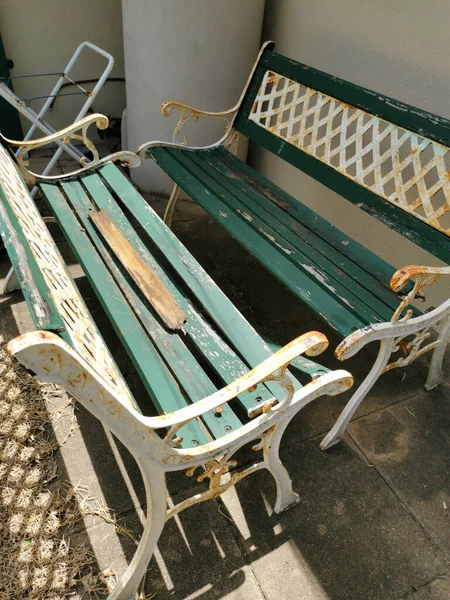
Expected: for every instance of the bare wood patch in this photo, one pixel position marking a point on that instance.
(145, 278)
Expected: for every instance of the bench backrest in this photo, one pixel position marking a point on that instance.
(49, 290)
(390, 159)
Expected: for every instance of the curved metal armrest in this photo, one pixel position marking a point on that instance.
(46, 346)
(128, 159)
(273, 368)
(403, 275)
(168, 106)
(188, 113)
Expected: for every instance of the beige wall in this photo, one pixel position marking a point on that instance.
(194, 51)
(41, 36)
(399, 48)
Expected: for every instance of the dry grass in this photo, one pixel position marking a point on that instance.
(37, 562)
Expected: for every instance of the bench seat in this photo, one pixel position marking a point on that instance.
(178, 400)
(344, 282)
(388, 159)
(218, 347)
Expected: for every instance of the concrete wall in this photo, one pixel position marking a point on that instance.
(40, 36)
(196, 52)
(397, 48)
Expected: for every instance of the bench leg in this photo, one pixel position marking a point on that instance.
(168, 214)
(435, 374)
(155, 486)
(286, 497)
(11, 282)
(338, 430)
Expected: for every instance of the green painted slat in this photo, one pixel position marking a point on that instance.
(344, 244)
(154, 374)
(410, 227)
(281, 206)
(306, 289)
(216, 351)
(309, 367)
(420, 121)
(31, 280)
(221, 358)
(365, 305)
(180, 360)
(240, 333)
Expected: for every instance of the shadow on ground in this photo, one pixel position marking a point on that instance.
(373, 518)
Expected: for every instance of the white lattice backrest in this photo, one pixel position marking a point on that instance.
(406, 169)
(85, 338)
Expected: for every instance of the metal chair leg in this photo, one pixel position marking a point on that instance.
(168, 214)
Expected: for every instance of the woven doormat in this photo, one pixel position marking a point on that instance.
(37, 560)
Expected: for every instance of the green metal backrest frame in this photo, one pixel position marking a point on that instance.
(388, 158)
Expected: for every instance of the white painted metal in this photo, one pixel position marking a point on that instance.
(404, 168)
(361, 146)
(32, 116)
(53, 360)
(126, 158)
(408, 335)
(11, 283)
(37, 118)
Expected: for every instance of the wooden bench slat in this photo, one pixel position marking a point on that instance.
(144, 277)
(267, 217)
(325, 231)
(308, 228)
(214, 349)
(154, 374)
(32, 283)
(333, 312)
(403, 222)
(180, 360)
(240, 333)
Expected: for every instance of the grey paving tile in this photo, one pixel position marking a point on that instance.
(409, 445)
(348, 538)
(210, 243)
(198, 557)
(438, 589)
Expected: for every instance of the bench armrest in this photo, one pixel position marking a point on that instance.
(421, 276)
(54, 360)
(402, 276)
(188, 113)
(128, 159)
(272, 369)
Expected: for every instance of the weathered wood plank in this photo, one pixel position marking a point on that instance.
(145, 278)
(223, 360)
(334, 313)
(285, 239)
(365, 270)
(155, 376)
(184, 367)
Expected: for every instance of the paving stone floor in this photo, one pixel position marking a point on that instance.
(373, 522)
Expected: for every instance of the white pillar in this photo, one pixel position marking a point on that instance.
(194, 51)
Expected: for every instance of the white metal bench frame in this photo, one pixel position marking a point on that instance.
(88, 373)
(392, 336)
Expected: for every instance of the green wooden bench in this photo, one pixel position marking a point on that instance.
(203, 392)
(389, 159)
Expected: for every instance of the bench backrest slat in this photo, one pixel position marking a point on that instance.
(50, 282)
(388, 158)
